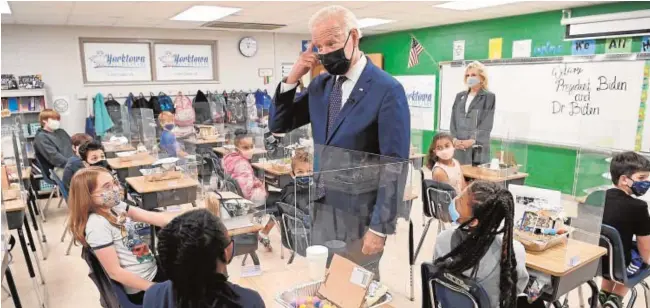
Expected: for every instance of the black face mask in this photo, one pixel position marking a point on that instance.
(101, 163)
(335, 62)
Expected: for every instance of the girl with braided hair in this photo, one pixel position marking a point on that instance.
(483, 246)
(194, 250)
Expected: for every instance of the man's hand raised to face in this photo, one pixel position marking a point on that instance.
(306, 61)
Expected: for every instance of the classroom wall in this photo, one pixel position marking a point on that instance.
(54, 52)
(549, 167)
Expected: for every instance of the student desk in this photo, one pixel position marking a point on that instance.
(164, 193)
(32, 198)
(111, 150)
(272, 176)
(221, 151)
(208, 143)
(476, 173)
(16, 220)
(565, 278)
(125, 169)
(417, 160)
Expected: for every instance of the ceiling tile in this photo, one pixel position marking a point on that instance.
(41, 19)
(91, 20)
(7, 19)
(40, 7)
(107, 8)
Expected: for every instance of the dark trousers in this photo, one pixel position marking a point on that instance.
(137, 298)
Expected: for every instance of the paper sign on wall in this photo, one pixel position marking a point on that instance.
(420, 94)
(618, 45)
(116, 62)
(645, 44)
(583, 47)
(495, 46)
(184, 62)
(286, 68)
(522, 48)
(459, 50)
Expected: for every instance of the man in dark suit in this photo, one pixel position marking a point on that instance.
(356, 111)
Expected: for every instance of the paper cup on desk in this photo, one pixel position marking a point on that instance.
(494, 164)
(317, 260)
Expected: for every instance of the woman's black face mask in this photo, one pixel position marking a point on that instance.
(335, 62)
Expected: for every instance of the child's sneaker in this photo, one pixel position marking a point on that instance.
(613, 302)
(266, 242)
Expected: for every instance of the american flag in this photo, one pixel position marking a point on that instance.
(414, 54)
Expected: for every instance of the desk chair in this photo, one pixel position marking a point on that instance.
(436, 197)
(46, 177)
(64, 192)
(613, 265)
(112, 294)
(295, 232)
(445, 290)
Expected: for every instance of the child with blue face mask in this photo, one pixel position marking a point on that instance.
(168, 140)
(629, 216)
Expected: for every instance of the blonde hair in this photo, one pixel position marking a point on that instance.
(213, 204)
(301, 156)
(47, 114)
(166, 117)
(480, 68)
(81, 203)
(341, 14)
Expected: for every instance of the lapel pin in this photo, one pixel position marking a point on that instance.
(361, 89)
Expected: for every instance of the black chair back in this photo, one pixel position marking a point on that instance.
(442, 289)
(612, 264)
(60, 184)
(44, 166)
(436, 197)
(294, 227)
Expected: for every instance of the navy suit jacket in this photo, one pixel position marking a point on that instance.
(375, 119)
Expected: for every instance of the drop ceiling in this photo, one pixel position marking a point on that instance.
(293, 14)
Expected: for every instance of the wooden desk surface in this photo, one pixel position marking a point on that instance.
(478, 174)
(205, 141)
(554, 261)
(12, 173)
(245, 230)
(118, 147)
(116, 163)
(229, 195)
(14, 205)
(142, 186)
(224, 151)
(267, 167)
(417, 156)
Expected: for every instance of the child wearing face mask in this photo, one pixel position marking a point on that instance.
(53, 145)
(168, 140)
(90, 154)
(629, 216)
(117, 232)
(444, 167)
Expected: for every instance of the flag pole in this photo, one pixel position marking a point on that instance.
(424, 49)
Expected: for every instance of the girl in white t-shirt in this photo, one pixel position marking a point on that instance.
(444, 167)
(117, 233)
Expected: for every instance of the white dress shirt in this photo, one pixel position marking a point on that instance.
(353, 75)
(470, 98)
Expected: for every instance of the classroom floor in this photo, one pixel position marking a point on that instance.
(68, 285)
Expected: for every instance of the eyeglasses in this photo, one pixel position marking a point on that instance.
(115, 183)
(232, 255)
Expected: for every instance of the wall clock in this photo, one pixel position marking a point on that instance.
(248, 46)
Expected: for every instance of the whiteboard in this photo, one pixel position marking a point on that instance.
(578, 104)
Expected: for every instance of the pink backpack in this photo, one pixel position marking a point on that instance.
(184, 112)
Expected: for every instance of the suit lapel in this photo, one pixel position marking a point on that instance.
(358, 92)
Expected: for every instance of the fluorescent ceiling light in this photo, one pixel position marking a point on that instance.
(473, 5)
(4, 7)
(371, 22)
(205, 13)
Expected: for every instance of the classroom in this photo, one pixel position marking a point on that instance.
(312, 154)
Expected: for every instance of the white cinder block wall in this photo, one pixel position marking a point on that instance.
(53, 51)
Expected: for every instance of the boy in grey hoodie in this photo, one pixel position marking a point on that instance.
(53, 145)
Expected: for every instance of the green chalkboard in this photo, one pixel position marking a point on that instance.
(549, 167)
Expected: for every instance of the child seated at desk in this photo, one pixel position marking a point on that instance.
(115, 231)
(444, 167)
(481, 246)
(195, 250)
(237, 164)
(90, 154)
(168, 140)
(629, 216)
